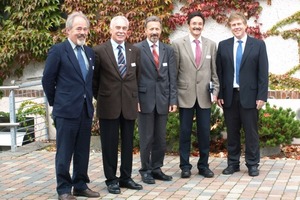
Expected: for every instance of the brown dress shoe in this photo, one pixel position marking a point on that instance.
(86, 193)
(66, 197)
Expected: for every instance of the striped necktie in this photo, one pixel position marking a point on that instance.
(121, 62)
(155, 56)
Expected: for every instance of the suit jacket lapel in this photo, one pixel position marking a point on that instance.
(162, 51)
(90, 62)
(247, 50)
(204, 50)
(148, 51)
(229, 50)
(188, 47)
(110, 53)
(73, 58)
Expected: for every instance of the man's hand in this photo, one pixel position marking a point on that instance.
(259, 104)
(172, 108)
(220, 103)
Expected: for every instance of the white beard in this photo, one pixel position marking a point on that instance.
(80, 42)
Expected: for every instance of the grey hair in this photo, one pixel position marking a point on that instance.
(152, 18)
(114, 19)
(71, 17)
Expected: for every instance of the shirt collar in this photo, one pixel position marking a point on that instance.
(244, 39)
(115, 45)
(151, 43)
(192, 39)
(73, 45)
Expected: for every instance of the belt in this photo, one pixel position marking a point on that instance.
(236, 89)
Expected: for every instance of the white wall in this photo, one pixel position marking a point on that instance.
(283, 54)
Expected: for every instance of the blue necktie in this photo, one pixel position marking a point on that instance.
(82, 65)
(238, 59)
(121, 62)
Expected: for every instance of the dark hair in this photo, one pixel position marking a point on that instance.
(195, 14)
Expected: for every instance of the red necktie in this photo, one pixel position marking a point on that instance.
(155, 56)
(197, 53)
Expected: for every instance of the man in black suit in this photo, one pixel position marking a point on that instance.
(242, 67)
(115, 88)
(67, 82)
(157, 97)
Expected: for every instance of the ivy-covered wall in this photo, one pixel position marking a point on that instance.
(29, 27)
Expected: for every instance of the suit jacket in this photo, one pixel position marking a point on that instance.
(253, 72)
(157, 88)
(193, 83)
(114, 94)
(63, 83)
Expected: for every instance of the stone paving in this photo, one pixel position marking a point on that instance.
(31, 175)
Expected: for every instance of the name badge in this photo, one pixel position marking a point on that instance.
(208, 57)
(165, 64)
(133, 64)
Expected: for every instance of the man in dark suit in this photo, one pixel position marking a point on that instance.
(157, 97)
(196, 65)
(68, 87)
(242, 66)
(116, 91)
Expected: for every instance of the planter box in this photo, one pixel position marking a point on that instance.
(5, 138)
(24, 135)
(269, 151)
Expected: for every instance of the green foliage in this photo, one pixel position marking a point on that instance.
(30, 108)
(277, 126)
(27, 33)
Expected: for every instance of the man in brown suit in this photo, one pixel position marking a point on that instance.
(115, 89)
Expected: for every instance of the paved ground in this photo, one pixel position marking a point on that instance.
(31, 175)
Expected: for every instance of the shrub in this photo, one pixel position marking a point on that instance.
(277, 126)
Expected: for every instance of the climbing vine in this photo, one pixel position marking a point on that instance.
(286, 81)
(29, 27)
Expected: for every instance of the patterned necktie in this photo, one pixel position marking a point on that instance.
(155, 56)
(81, 61)
(238, 59)
(197, 53)
(121, 62)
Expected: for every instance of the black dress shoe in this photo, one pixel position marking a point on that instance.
(185, 173)
(161, 176)
(148, 178)
(231, 169)
(114, 188)
(66, 197)
(130, 185)
(206, 172)
(86, 193)
(253, 171)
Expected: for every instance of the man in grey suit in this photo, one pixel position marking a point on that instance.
(157, 97)
(195, 57)
(243, 91)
